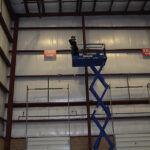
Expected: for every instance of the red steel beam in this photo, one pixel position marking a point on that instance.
(66, 51)
(11, 88)
(87, 88)
(2, 86)
(65, 104)
(87, 27)
(81, 119)
(5, 28)
(83, 75)
(4, 57)
(86, 14)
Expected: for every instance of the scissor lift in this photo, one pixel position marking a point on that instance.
(92, 58)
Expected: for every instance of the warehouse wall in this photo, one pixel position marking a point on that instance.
(34, 64)
(4, 44)
(1, 144)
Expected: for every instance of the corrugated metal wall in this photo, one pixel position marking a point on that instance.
(31, 64)
(4, 44)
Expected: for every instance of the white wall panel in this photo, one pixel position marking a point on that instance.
(52, 39)
(120, 39)
(76, 89)
(17, 6)
(119, 6)
(147, 7)
(33, 8)
(137, 141)
(21, 86)
(80, 128)
(118, 20)
(87, 6)
(49, 143)
(2, 101)
(4, 43)
(36, 64)
(141, 91)
(3, 72)
(5, 14)
(50, 22)
(78, 112)
(135, 6)
(50, 129)
(132, 126)
(51, 7)
(69, 7)
(116, 63)
(102, 6)
(50, 112)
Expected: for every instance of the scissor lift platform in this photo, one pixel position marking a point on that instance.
(96, 58)
(90, 57)
(84, 61)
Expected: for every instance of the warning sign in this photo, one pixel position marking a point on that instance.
(146, 51)
(49, 53)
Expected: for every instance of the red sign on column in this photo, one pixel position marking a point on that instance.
(146, 51)
(49, 53)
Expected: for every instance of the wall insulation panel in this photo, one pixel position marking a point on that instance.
(4, 44)
(34, 64)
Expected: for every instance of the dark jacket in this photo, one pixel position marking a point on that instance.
(75, 50)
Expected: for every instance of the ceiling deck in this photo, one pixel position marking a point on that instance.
(30, 8)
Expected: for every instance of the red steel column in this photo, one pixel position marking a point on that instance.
(87, 89)
(11, 87)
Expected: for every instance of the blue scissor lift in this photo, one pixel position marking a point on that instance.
(94, 58)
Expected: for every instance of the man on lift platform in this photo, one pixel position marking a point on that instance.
(74, 47)
(96, 57)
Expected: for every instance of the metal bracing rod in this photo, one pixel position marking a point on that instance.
(69, 115)
(113, 129)
(27, 96)
(57, 116)
(148, 91)
(128, 87)
(23, 116)
(146, 133)
(47, 88)
(116, 87)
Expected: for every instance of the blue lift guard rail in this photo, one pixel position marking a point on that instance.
(97, 59)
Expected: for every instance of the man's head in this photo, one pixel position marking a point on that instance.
(73, 38)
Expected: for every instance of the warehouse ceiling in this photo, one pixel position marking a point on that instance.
(76, 7)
